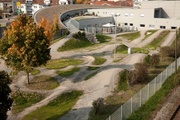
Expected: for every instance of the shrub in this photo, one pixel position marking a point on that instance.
(98, 105)
(147, 60)
(167, 51)
(138, 75)
(154, 60)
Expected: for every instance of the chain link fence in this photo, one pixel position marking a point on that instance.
(143, 95)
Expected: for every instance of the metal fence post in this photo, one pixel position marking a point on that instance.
(148, 92)
(166, 73)
(155, 84)
(140, 98)
(109, 117)
(161, 79)
(121, 112)
(131, 106)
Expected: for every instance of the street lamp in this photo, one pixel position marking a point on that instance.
(115, 15)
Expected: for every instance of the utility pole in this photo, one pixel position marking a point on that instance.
(177, 36)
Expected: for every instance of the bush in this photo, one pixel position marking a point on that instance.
(138, 75)
(122, 84)
(154, 60)
(98, 105)
(147, 60)
(167, 51)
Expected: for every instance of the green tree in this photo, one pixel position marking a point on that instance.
(5, 100)
(25, 45)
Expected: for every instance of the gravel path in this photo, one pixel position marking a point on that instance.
(100, 85)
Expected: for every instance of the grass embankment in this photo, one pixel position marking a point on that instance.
(157, 41)
(62, 63)
(55, 108)
(24, 99)
(65, 73)
(81, 42)
(123, 49)
(92, 68)
(43, 83)
(145, 111)
(99, 61)
(35, 72)
(90, 75)
(149, 33)
(130, 36)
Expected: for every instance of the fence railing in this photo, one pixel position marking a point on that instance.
(143, 95)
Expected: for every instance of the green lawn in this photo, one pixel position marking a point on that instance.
(24, 99)
(140, 50)
(122, 49)
(74, 44)
(43, 83)
(92, 68)
(103, 38)
(62, 63)
(68, 72)
(99, 61)
(157, 41)
(149, 33)
(55, 108)
(130, 36)
(35, 72)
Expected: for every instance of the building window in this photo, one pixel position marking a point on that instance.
(131, 24)
(142, 25)
(22, 6)
(131, 14)
(141, 15)
(163, 27)
(125, 23)
(35, 6)
(126, 14)
(173, 27)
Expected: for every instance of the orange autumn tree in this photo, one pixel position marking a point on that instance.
(47, 28)
(55, 26)
(24, 45)
(78, 1)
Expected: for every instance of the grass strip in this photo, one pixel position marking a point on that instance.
(140, 50)
(90, 75)
(92, 68)
(62, 63)
(157, 41)
(123, 49)
(55, 108)
(103, 38)
(43, 83)
(68, 72)
(144, 112)
(99, 61)
(149, 33)
(74, 44)
(130, 36)
(24, 99)
(35, 72)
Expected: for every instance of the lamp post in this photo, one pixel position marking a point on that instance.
(115, 15)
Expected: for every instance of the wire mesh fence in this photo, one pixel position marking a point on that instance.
(144, 94)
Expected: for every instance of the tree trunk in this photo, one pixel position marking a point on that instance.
(28, 76)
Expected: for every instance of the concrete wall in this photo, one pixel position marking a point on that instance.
(172, 8)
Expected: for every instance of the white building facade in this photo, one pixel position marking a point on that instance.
(151, 15)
